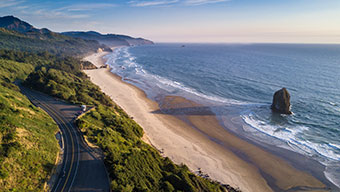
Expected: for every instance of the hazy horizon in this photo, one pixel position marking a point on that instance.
(189, 21)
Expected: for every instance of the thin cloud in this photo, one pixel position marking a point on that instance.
(9, 3)
(21, 7)
(157, 3)
(202, 2)
(75, 11)
(86, 7)
(72, 11)
(152, 3)
(53, 14)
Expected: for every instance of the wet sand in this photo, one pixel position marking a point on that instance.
(190, 133)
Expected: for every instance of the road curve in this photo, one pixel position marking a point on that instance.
(82, 169)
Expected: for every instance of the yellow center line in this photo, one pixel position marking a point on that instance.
(59, 118)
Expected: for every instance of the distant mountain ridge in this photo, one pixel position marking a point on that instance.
(10, 24)
(15, 24)
(19, 35)
(109, 39)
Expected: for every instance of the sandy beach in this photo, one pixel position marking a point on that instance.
(188, 133)
(97, 58)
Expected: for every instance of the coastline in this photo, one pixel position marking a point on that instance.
(198, 140)
(97, 58)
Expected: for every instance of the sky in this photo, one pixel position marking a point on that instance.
(216, 21)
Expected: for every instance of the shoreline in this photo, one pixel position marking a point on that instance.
(97, 58)
(199, 141)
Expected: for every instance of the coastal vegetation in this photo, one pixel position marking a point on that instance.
(54, 43)
(132, 164)
(109, 39)
(28, 147)
(67, 86)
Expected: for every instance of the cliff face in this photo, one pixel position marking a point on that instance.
(109, 39)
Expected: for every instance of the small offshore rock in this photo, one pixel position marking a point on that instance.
(281, 102)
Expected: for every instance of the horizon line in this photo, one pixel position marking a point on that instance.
(301, 43)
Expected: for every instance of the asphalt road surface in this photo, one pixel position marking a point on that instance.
(82, 170)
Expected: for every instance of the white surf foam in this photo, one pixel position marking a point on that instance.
(332, 173)
(129, 61)
(336, 146)
(292, 137)
(287, 134)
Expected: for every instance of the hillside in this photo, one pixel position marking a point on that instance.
(19, 35)
(132, 164)
(15, 24)
(28, 147)
(109, 39)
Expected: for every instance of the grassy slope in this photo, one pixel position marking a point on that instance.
(132, 164)
(28, 146)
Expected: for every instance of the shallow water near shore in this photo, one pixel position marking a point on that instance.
(239, 80)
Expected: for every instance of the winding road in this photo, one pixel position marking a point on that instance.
(82, 169)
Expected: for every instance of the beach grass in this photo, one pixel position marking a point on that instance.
(28, 147)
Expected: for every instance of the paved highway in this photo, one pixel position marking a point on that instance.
(82, 169)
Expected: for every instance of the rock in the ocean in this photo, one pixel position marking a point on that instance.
(281, 102)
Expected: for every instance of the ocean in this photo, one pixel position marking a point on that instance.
(240, 80)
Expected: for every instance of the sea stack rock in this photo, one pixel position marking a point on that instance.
(281, 102)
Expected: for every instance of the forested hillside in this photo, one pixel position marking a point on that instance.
(109, 39)
(19, 35)
(28, 146)
(51, 42)
(132, 164)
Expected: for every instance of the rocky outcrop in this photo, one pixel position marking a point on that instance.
(281, 102)
(104, 66)
(86, 65)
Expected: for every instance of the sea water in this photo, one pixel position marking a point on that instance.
(243, 78)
